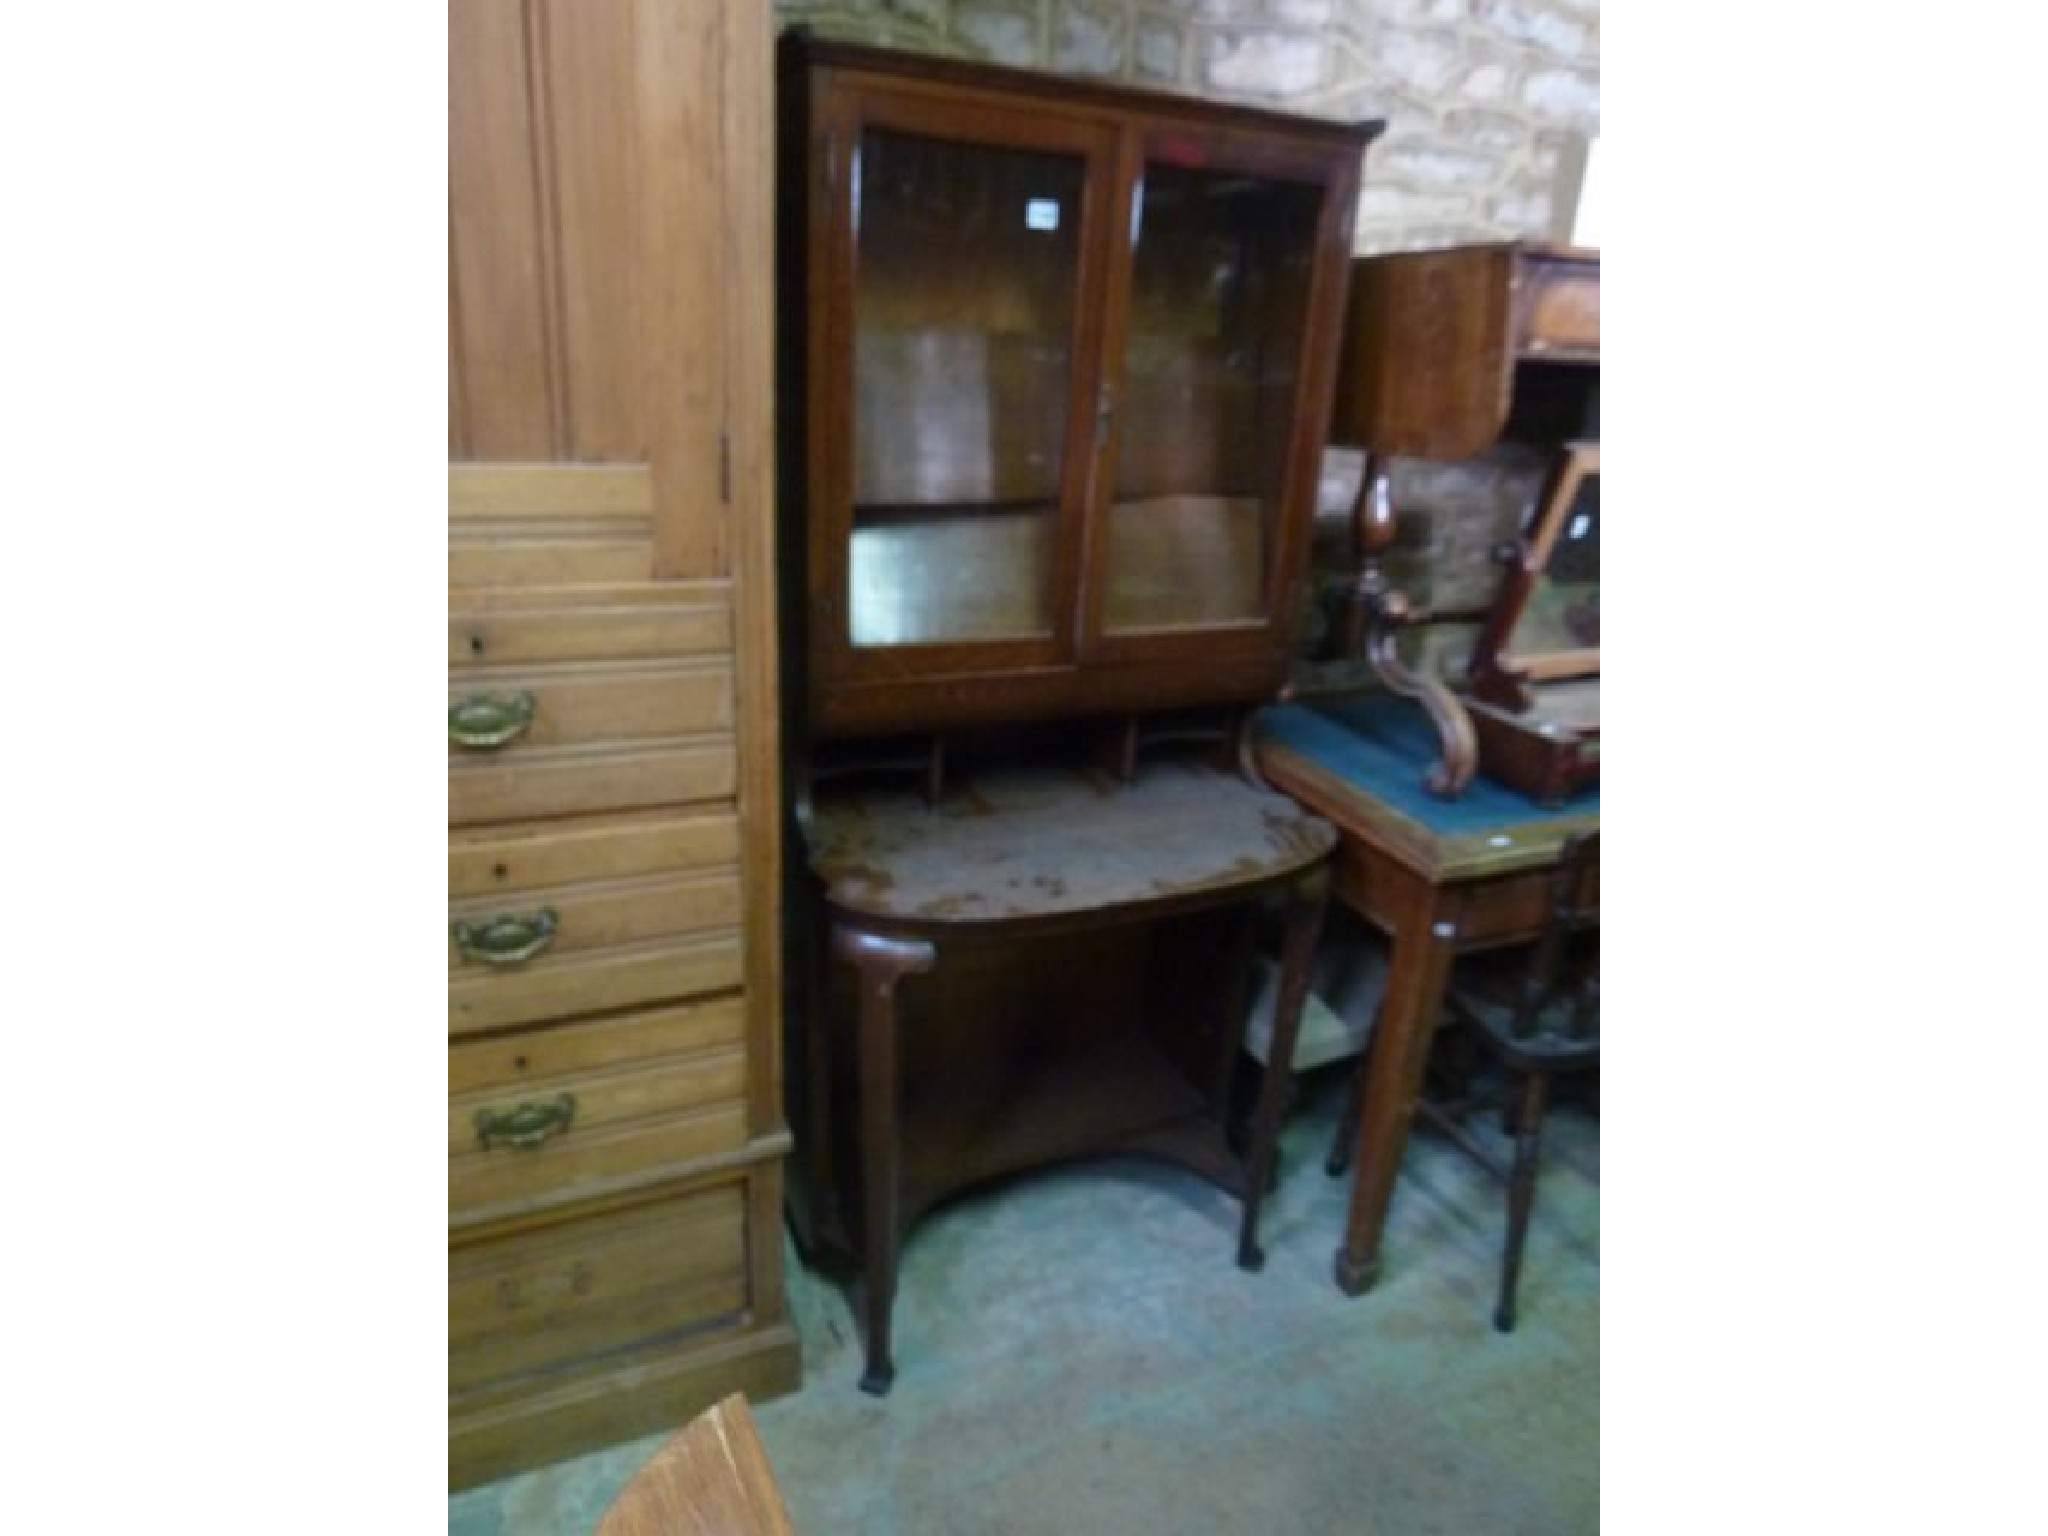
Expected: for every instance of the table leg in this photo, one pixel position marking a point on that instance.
(1424, 939)
(1306, 900)
(879, 963)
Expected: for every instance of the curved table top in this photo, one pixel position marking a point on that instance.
(1026, 843)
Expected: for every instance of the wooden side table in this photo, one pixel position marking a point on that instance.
(1020, 854)
(1438, 877)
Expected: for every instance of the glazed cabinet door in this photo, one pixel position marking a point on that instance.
(1222, 380)
(958, 383)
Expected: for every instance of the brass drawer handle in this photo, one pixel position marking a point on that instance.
(527, 1126)
(490, 720)
(506, 940)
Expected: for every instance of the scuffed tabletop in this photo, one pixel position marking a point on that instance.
(1039, 842)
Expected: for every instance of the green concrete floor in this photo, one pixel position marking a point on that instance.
(1077, 1354)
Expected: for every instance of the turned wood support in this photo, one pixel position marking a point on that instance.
(1307, 898)
(1374, 617)
(879, 964)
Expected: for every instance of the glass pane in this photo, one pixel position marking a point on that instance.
(963, 314)
(1219, 295)
(1563, 609)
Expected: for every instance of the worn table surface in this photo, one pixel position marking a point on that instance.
(1040, 842)
(1360, 760)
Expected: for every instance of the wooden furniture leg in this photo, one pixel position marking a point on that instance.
(1338, 1159)
(1424, 939)
(1307, 898)
(879, 963)
(1521, 1192)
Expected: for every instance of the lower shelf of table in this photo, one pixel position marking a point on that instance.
(1118, 1094)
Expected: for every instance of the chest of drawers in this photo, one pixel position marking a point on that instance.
(615, 1126)
(613, 1194)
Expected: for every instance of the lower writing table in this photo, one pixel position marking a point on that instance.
(1438, 877)
(1047, 964)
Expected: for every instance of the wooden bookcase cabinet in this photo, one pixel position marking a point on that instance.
(1065, 354)
(1056, 364)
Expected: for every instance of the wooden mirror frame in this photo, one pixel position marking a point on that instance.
(1497, 674)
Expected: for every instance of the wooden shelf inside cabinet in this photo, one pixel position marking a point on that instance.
(1447, 353)
(1057, 358)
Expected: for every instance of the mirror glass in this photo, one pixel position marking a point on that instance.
(1562, 614)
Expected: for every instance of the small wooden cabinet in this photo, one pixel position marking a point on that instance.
(1065, 355)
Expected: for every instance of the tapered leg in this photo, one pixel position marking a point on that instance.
(1424, 940)
(1306, 901)
(1521, 1192)
(1339, 1156)
(879, 963)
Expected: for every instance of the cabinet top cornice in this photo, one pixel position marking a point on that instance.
(803, 49)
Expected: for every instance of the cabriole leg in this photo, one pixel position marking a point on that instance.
(879, 964)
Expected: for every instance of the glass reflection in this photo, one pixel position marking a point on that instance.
(1219, 295)
(964, 314)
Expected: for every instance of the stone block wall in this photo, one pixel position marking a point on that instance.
(1486, 102)
(1483, 99)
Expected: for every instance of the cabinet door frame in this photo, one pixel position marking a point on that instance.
(1335, 173)
(844, 111)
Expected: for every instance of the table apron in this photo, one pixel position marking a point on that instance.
(1503, 909)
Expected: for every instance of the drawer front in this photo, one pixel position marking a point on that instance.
(495, 628)
(581, 705)
(533, 1061)
(509, 862)
(484, 1125)
(588, 1161)
(515, 785)
(546, 1298)
(597, 981)
(1509, 910)
(605, 1132)
(1562, 311)
(549, 1114)
(493, 933)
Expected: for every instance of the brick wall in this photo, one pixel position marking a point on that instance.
(1486, 103)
